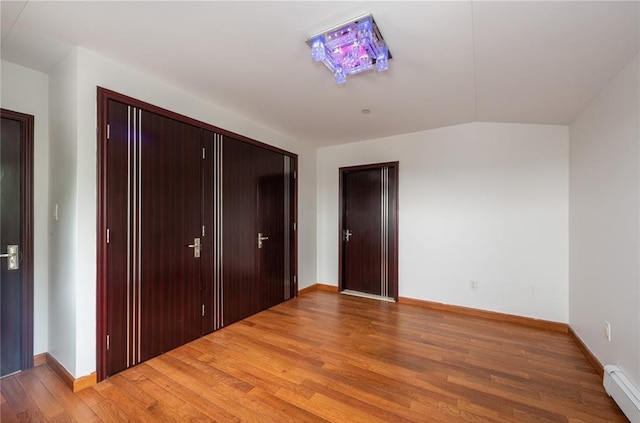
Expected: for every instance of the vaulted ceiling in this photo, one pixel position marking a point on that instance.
(453, 62)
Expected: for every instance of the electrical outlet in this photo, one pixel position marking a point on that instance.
(607, 331)
(473, 285)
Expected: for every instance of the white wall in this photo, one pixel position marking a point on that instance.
(64, 243)
(605, 223)
(27, 91)
(481, 201)
(93, 70)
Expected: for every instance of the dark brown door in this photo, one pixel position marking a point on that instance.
(239, 233)
(170, 216)
(166, 183)
(270, 227)
(368, 245)
(256, 203)
(16, 284)
(119, 266)
(154, 208)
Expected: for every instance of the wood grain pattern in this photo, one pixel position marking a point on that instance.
(326, 357)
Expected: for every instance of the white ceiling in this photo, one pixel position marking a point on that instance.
(453, 62)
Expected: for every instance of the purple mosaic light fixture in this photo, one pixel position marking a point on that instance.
(351, 48)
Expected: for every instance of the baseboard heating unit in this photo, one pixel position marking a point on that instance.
(624, 393)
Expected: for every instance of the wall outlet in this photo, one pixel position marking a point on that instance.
(473, 285)
(607, 331)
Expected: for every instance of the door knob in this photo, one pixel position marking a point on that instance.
(261, 239)
(347, 234)
(12, 254)
(196, 247)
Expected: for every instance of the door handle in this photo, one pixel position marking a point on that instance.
(12, 254)
(347, 234)
(196, 247)
(261, 239)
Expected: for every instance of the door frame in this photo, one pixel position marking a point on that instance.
(392, 223)
(103, 96)
(26, 193)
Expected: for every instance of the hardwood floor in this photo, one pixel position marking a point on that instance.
(330, 357)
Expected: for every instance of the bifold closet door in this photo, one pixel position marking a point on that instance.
(256, 204)
(170, 213)
(239, 234)
(118, 263)
(271, 212)
(154, 206)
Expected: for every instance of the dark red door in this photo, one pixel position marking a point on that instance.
(369, 230)
(239, 233)
(10, 234)
(270, 227)
(256, 236)
(170, 228)
(16, 283)
(154, 209)
(167, 184)
(119, 264)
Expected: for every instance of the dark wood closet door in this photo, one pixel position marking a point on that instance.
(270, 208)
(239, 234)
(118, 254)
(369, 230)
(210, 245)
(170, 213)
(154, 208)
(166, 182)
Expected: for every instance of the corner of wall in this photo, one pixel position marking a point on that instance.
(63, 246)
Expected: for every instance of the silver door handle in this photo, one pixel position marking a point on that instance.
(196, 247)
(261, 239)
(347, 234)
(12, 254)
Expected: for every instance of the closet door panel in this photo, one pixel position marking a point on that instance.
(170, 213)
(270, 217)
(118, 284)
(239, 234)
(209, 244)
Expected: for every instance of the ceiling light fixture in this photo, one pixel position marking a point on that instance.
(351, 48)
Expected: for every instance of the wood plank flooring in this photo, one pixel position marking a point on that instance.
(328, 357)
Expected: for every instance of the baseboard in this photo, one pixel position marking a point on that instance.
(74, 384)
(39, 359)
(318, 287)
(595, 363)
(491, 315)
(308, 289)
(328, 288)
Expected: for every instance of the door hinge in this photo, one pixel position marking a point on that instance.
(203, 231)
(294, 279)
(202, 310)
(203, 152)
(108, 131)
(295, 226)
(108, 342)
(108, 235)
(295, 174)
